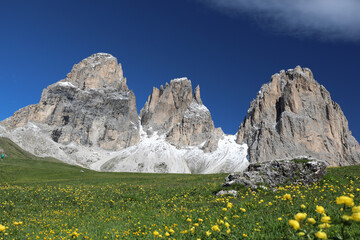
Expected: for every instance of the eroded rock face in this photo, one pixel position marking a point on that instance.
(91, 107)
(180, 114)
(294, 116)
(274, 173)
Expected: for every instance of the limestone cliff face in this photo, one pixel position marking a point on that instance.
(293, 116)
(91, 107)
(180, 114)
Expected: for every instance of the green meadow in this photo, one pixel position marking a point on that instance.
(42, 198)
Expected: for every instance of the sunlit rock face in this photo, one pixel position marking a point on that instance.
(179, 113)
(292, 116)
(90, 119)
(92, 106)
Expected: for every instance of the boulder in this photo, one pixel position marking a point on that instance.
(274, 173)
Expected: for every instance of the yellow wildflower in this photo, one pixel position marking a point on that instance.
(188, 219)
(2, 228)
(224, 209)
(229, 205)
(287, 197)
(156, 233)
(356, 216)
(75, 234)
(320, 209)
(300, 216)
(300, 234)
(324, 225)
(167, 234)
(279, 218)
(345, 200)
(356, 209)
(243, 209)
(294, 224)
(208, 233)
(302, 206)
(215, 228)
(325, 219)
(227, 225)
(244, 235)
(171, 231)
(321, 235)
(311, 220)
(346, 217)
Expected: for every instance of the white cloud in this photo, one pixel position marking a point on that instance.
(326, 19)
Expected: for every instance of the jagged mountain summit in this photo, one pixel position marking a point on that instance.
(179, 113)
(90, 119)
(294, 116)
(92, 106)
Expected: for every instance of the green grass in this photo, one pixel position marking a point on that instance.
(57, 201)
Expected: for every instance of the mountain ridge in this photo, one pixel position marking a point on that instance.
(90, 119)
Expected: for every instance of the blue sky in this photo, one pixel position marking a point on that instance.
(229, 47)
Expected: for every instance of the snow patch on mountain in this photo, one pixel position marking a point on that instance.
(151, 154)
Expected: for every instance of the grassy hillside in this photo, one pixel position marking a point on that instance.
(46, 199)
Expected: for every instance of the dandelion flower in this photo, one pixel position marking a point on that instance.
(2, 228)
(229, 205)
(156, 233)
(208, 233)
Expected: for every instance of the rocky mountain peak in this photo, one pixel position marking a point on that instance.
(294, 116)
(91, 107)
(197, 95)
(175, 111)
(100, 70)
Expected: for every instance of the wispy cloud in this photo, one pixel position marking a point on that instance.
(326, 19)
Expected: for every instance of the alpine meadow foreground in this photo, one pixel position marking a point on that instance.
(46, 199)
